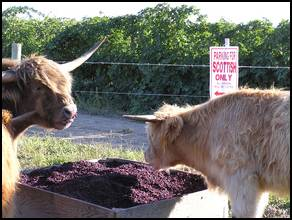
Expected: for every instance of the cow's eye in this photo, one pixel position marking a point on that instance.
(38, 88)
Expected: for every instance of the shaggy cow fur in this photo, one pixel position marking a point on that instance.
(39, 96)
(11, 164)
(37, 91)
(239, 141)
(40, 86)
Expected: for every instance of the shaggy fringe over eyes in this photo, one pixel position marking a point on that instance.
(172, 123)
(171, 128)
(167, 111)
(44, 70)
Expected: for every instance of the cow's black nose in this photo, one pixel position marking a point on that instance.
(70, 111)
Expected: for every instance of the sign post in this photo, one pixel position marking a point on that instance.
(223, 69)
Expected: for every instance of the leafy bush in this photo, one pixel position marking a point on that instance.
(162, 34)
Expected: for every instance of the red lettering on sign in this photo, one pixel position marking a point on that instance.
(229, 77)
(225, 67)
(220, 77)
(218, 93)
(223, 70)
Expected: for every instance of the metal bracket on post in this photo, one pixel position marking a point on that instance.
(16, 51)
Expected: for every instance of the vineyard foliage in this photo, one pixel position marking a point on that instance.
(159, 35)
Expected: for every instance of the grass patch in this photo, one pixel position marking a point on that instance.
(278, 207)
(39, 152)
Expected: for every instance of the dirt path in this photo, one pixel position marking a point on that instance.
(93, 129)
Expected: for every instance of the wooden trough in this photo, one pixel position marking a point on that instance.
(32, 202)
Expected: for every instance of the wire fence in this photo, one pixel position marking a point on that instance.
(178, 65)
(167, 65)
(143, 94)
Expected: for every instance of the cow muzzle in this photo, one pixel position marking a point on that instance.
(70, 111)
(68, 115)
(149, 159)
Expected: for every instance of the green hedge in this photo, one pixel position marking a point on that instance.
(161, 34)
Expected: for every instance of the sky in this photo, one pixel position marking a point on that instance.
(237, 12)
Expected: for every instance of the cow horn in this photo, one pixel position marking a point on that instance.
(67, 67)
(148, 118)
(8, 76)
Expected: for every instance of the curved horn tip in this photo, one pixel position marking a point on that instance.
(69, 66)
(146, 118)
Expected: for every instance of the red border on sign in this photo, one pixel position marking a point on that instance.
(210, 62)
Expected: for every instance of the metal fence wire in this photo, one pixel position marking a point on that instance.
(167, 65)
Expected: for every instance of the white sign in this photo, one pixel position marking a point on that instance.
(223, 70)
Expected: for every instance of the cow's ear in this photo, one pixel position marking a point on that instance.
(171, 128)
(9, 76)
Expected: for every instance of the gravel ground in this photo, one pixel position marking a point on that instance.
(93, 129)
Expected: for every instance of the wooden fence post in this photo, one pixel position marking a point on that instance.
(227, 42)
(16, 51)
